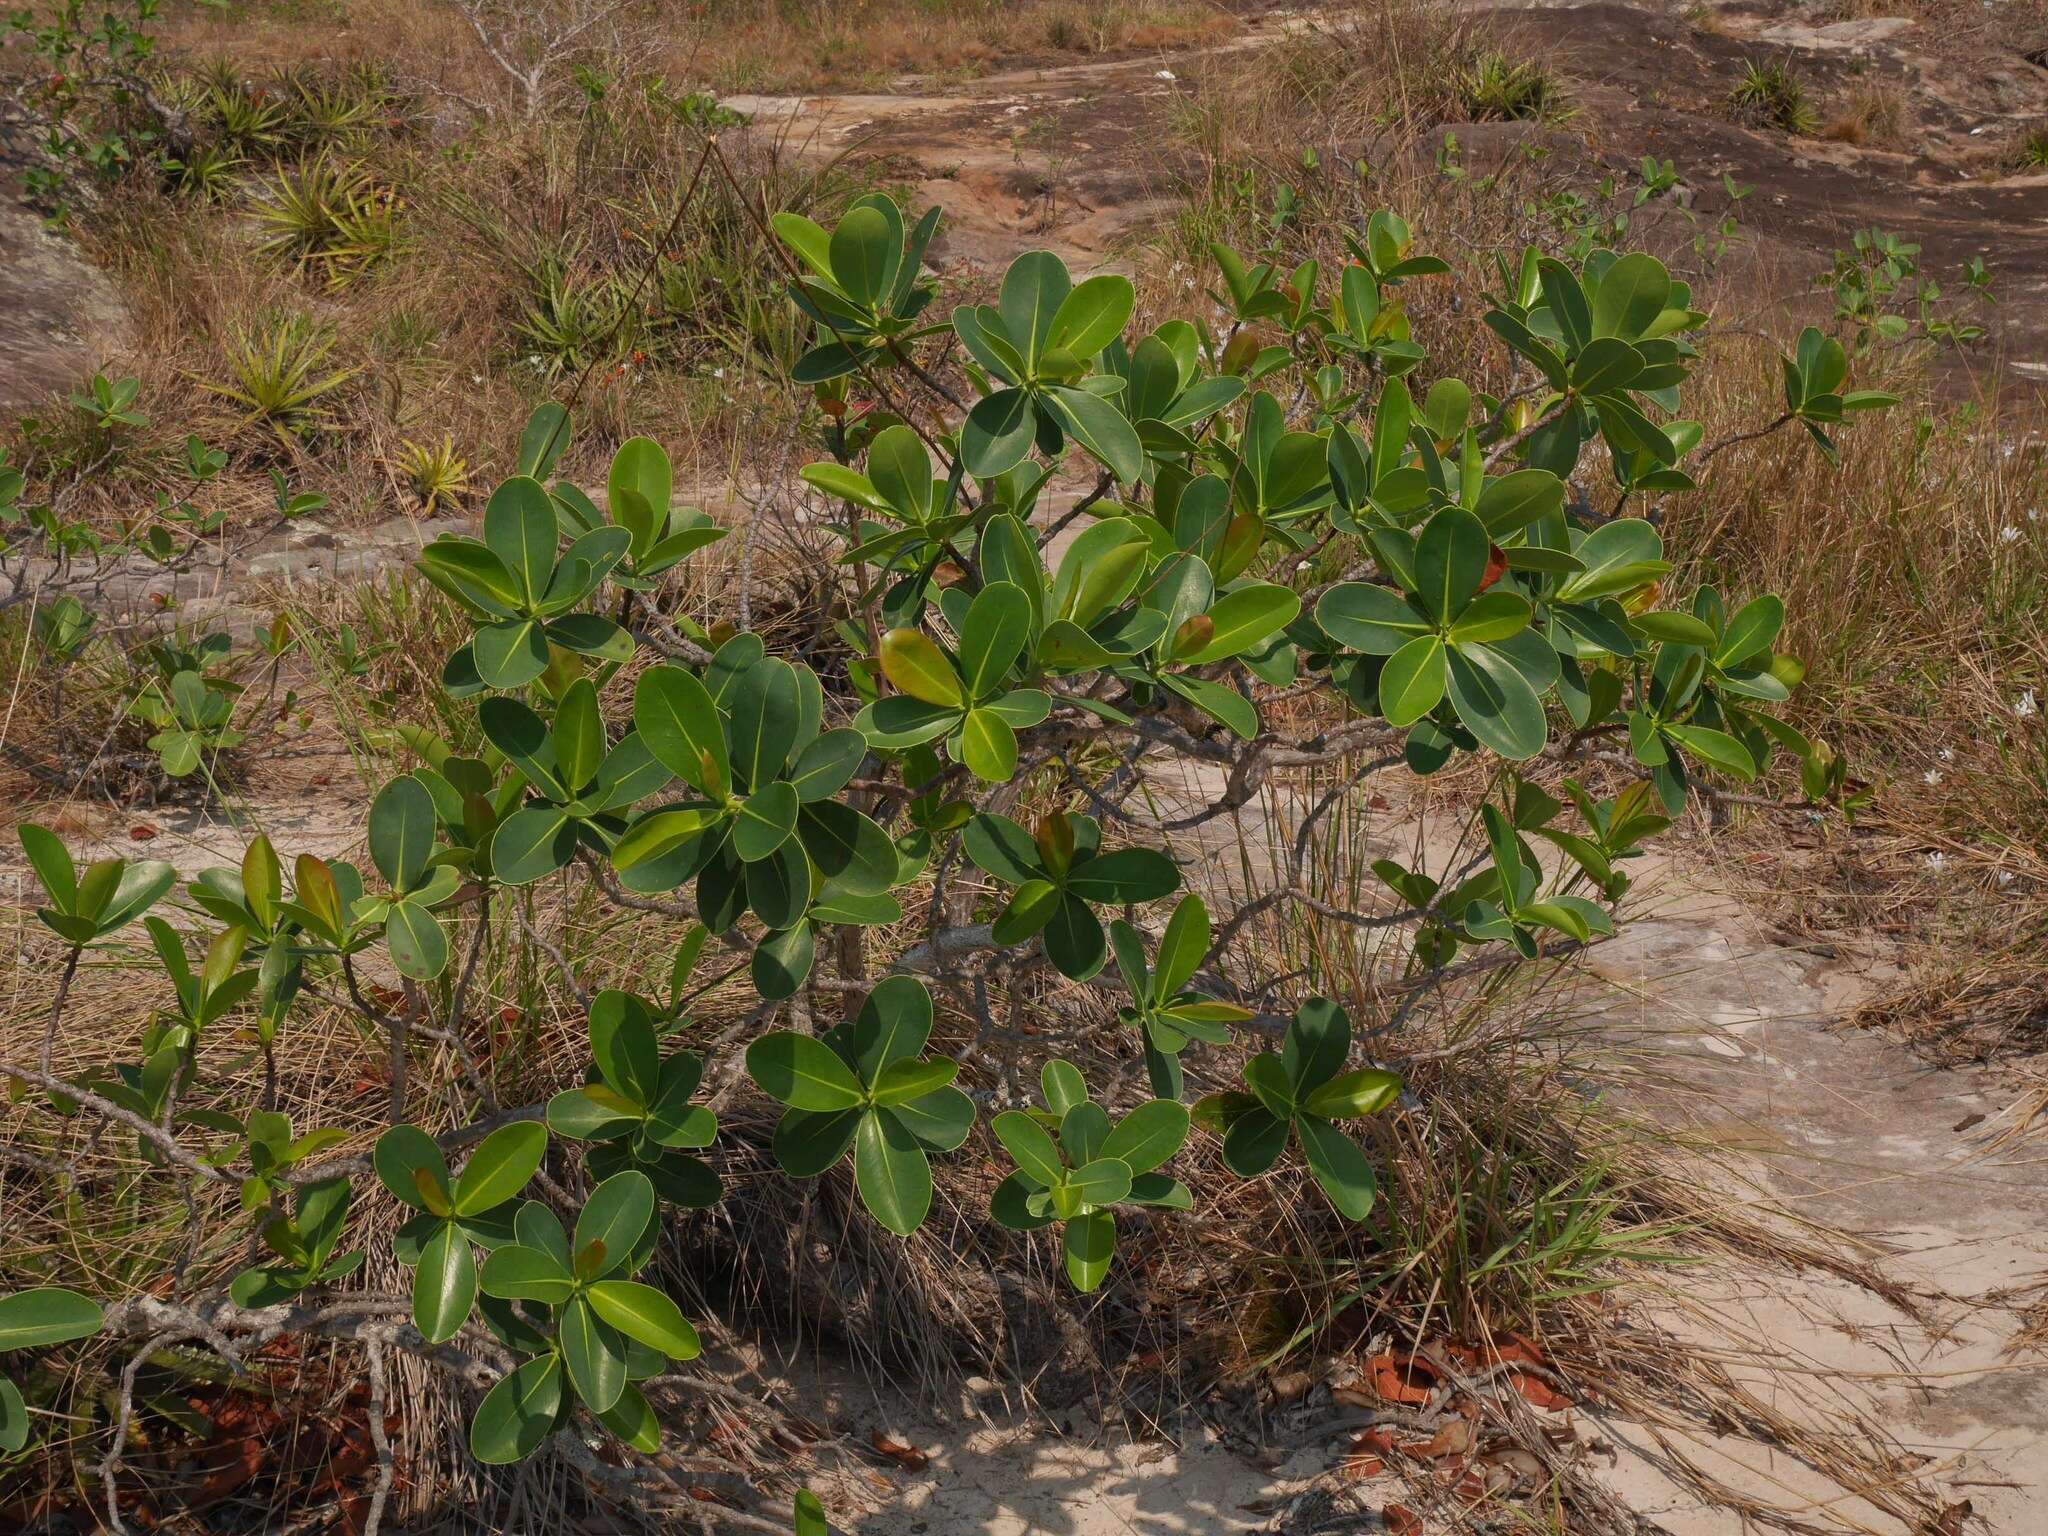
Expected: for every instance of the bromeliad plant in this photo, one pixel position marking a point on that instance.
(966, 749)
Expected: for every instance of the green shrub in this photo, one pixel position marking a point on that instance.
(1477, 616)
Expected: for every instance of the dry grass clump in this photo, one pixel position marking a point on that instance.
(1876, 113)
(324, 307)
(796, 45)
(1342, 83)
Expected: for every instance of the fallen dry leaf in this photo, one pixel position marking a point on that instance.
(143, 832)
(1390, 1379)
(1454, 1439)
(1538, 1394)
(1402, 1520)
(908, 1457)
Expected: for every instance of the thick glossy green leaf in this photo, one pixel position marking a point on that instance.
(518, 1414)
(1100, 428)
(500, 1167)
(891, 1172)
(861, 255)
(822, 769)
(903, 1082)
(1148, 1136)
(520, 528)
(676, 719)
(1253, 1143)
(1089, 1243)
(1242, 619)
(1633, 292)
(1490, 618)
(900, 470)
(594, 1354)
(632, 1421)
(1093, 315)
(1369, 619)
(1125, 875)
(617, 1214)
(1339, 1165)
(520, 1272)
(1182, 948)
(1074, 940)
(849, 847)
(1718, 749)
(916, 666)
(940, 1120)
(998, 623)
(1450, 562)
(988, 746)
(1030, 1146)
(779, 886)
(807, 1142)
(1316, 1044)
(47, 1315)
(765, 706)
(644, 1313)
(782, 960)
(418, 943)
(999, 847)
(401, 1154)
(1364, 1092)
(51, 861)
(1495, 702)
(1101, 1181)
(1034, 288)
(640, 480)
(623, 1044)
(998, 433)
(1412, 682)
(584, 1116)
(401, 831)
(802, 1072)
(532, 843)
(444, 1285)
(579, 737)
(765, 821)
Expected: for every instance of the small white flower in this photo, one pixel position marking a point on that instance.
(1937, 862)
(2033, 514)
(1165, 74)
(718, 373)
(1931, 776)
(476, 378)
(2005, 877)
(2024, 705)
(1947, 754)
(2009, 534)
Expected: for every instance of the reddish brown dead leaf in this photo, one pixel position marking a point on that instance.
(1538, 1394)
(142, 832)
(1453, 1439)
(1390, 1379)
(1402, 1520)
(908, 1457)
